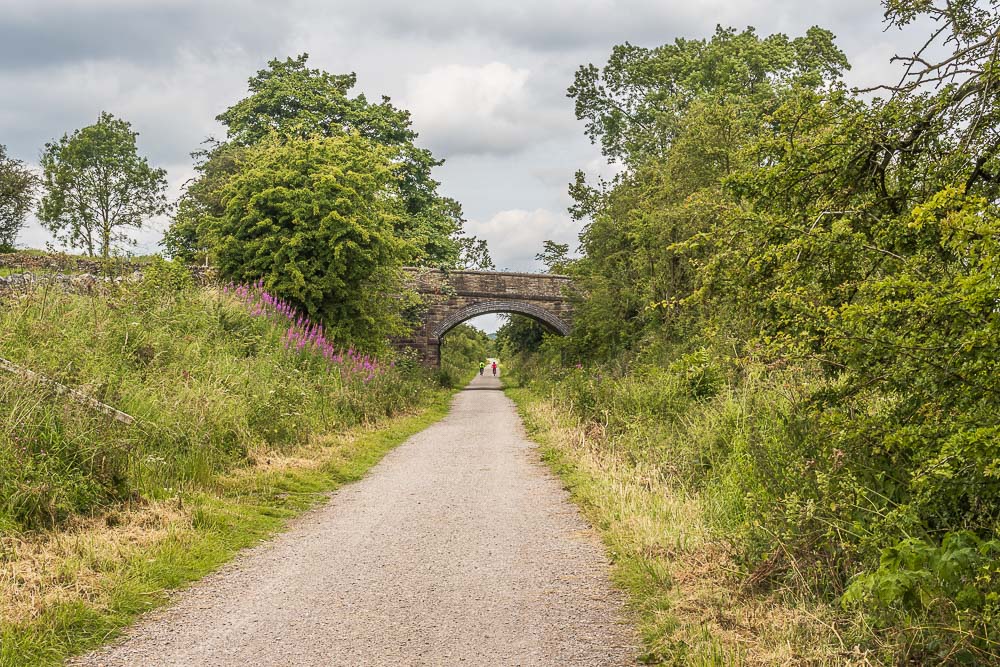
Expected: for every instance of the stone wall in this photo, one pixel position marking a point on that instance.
(26, 271)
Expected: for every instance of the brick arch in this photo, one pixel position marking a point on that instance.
(537, 313)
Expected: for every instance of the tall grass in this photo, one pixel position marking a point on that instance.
(212, 381)
(800, 507)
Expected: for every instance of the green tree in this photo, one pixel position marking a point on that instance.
(289, 100)
(191, 237)
(97, 187)
(519, 335)
(475, 254)
(555, 256)
(17, 194)
(844, 246)
(679, 117)
(634, 104)
(314, 218)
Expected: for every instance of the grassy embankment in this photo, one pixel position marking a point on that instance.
(634, 452)
(234, 434)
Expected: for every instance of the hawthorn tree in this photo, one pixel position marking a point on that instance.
(97, 187)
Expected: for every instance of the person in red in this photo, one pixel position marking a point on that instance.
(494, 369)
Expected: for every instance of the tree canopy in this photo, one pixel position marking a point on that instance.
(313, 218)
(632, 106)
(768, 217)
(288, 100)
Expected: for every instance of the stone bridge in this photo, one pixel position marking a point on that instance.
(452, 297)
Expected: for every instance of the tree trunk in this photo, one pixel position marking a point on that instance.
(105, 232)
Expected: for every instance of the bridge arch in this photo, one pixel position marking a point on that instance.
(537, 313)
(452, 297)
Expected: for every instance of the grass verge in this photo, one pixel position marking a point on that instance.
(64, 592)
(681, 582)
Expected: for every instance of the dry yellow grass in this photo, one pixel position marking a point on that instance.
(682, 582)
(41, 570)
(81, 561)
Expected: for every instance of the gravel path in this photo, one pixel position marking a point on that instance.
(460, 548)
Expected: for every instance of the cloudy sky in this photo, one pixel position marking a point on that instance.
(485, 81)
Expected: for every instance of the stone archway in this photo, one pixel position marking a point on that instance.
(453, 297)
(541, 315)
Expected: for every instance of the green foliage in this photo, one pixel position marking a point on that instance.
(917, 582)
(314, 219)
(462, 350)
(190, 237)
(635, 104)
(17, 194)
(163, 279)
(475, 255)
(210, 386)
(554, 256)
(810, 275)
(58, 460)
(519, 335)
(97, 187)
(289, 101)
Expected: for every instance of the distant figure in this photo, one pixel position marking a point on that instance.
(494, 369)
(482, 367)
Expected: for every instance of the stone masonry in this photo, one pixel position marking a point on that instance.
(453, 297)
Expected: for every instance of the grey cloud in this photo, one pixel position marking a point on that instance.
(491, 109)
(38, 35)
(517, 235)
(559, 26)
(552, 26)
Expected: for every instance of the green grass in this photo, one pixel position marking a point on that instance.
(681, 582)
(245, 509)
(233, 435)
(211, 388)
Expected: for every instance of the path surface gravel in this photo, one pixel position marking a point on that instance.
(460, 548)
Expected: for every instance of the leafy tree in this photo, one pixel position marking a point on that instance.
(554, 256)
(17, 190)
(97, 187)
(314, 219)
(520, 335)
(680, 118)
(289, 100)
(475, 254)
(847, 246)
(633, 105)
(191, 236)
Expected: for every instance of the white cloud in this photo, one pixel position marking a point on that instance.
(486, 109)
(515, 236)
